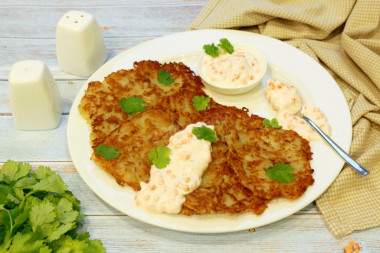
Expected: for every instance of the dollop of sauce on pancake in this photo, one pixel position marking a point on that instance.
(189, 157)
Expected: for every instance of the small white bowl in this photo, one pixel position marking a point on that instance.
(239, 89)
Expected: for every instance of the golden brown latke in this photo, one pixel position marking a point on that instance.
(253, 151)
(235, 180)
(134, 139)
(220, 190)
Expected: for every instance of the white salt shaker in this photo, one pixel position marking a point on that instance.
(34, 96)
(79, 44)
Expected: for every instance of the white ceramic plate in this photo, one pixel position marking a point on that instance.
(314, 84)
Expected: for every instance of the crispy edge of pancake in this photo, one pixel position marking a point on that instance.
(253, 152)
(134, 140)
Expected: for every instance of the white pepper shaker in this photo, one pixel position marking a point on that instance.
(34, 96)
(79, 44)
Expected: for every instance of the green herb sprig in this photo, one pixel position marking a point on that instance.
(213, 50)
(205, 133)
(271, 123)
(159, 156)
(226, 45)
(38, 213)
(281, 172)
(164, 77)
(107, 152)
(201, 102)
(132, 105)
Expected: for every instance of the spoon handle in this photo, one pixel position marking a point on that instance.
(338, 149)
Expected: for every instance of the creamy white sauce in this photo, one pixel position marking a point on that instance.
(189, 157)
(299, 125)
(231, 70)
(283, 98)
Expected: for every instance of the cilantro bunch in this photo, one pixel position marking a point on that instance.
(38, 213)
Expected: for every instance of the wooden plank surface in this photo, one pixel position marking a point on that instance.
(28, 32)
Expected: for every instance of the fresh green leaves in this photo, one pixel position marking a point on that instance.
(132, 105)
(205, 133)
(271, 123)
(41, 214)
(164, 77)
(38, 213)
(201, 102)
(159, 156)
(281, 172)
(12, 171)
(226, 45)
(213, 50)
(107, 152)
(49, 181)
(80, 244)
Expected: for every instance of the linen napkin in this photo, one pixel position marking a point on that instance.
(344, 37)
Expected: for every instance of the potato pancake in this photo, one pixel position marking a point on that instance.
(254, 151)
(134, 139)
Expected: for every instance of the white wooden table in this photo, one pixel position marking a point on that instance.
(27, 31)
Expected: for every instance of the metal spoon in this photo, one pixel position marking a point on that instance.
(338, 149)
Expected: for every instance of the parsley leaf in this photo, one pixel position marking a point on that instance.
(211, 50)
(67, 214)
(13, 171)
(271, 123)
(201, 102)
(132, 105)
(49, 181)
(27, 242)
(159, 156)
(59, 231)
(80, 244)
(107, 152)
(164, 77)
(226, 45)
(281, 172)
(42, 213)
(205, 133)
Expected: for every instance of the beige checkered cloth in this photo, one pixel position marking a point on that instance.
(343, 36)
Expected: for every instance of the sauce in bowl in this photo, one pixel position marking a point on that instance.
(233, 73)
